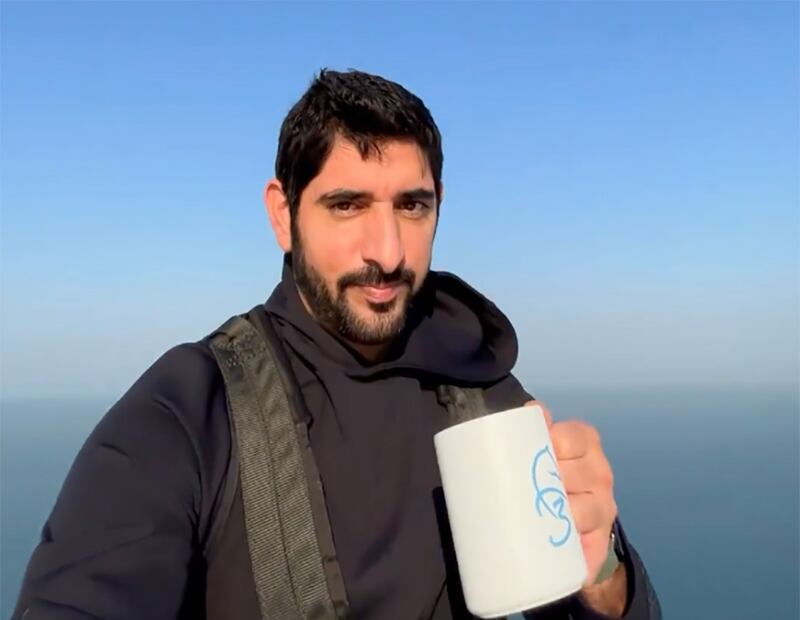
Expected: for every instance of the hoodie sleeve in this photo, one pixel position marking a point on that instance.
(642, 601)
(119, 540)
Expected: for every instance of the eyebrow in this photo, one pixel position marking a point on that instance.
(344, 195)
(422, 194)
(352, 195)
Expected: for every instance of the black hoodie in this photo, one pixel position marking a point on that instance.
(124, 537)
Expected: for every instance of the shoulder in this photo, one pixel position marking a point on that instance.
(173, 421)
(184, 385)
(506, 394)
(136, 495)
(187, 381)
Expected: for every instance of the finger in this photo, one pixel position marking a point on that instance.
(548, 417)
(578, 475)
(588, 512)
(573, 439)
(590, 474)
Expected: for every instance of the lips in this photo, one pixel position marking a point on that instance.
(381, 293)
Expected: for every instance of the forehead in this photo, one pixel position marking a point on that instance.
(396, 166)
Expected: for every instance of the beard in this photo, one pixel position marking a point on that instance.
(332, 308)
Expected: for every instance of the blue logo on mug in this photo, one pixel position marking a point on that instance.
(549, 496)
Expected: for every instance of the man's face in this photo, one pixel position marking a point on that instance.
(362, 239)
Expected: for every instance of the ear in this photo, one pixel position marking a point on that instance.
(279, 214)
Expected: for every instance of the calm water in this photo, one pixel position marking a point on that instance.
(707, 484)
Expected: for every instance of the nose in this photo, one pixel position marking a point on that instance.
(382, 243)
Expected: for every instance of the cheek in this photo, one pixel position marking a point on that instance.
(332, 252)
(418, 245)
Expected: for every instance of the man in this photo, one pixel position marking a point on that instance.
(368, 334)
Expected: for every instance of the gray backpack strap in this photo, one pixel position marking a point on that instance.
(462, 403)
(286, 530)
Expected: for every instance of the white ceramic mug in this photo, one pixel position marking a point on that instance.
(514, 535)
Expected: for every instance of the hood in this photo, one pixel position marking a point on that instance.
(452, 333)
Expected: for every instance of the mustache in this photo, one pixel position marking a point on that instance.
(372, 275)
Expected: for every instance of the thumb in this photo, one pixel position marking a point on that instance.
(548, 417)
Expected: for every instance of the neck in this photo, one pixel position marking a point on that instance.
(373, 353)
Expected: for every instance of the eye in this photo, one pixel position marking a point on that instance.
(343, 207)
(414, 207)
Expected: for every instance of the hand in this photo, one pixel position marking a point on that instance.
(589, 484)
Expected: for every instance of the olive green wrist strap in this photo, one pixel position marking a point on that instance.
(611, 563)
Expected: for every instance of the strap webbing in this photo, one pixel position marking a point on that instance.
(285, 556)
(462, 403)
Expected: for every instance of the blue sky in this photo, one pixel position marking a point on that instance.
(622, 179)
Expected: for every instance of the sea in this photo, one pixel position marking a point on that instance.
(707, 483)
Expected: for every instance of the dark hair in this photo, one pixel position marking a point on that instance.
(366, 110)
